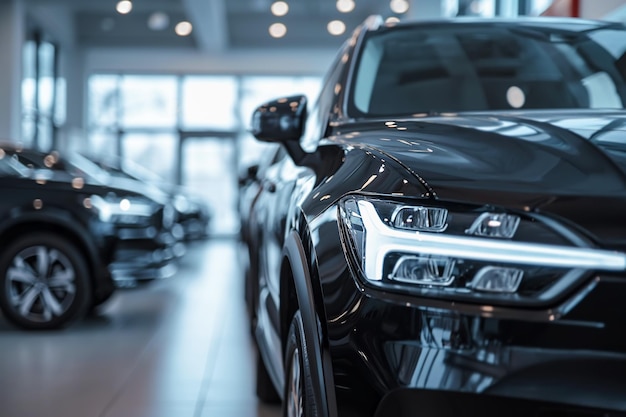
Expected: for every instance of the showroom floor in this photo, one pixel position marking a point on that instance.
(179, 348)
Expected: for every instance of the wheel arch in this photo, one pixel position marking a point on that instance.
(58, 222)
(301, 290)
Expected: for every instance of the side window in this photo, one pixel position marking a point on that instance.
(320, 110)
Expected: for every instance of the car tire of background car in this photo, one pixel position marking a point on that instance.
(265, 390)
(102, 298)
(43, 282)
(299, 399)
(251, 294)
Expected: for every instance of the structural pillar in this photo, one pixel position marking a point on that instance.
(11, 40)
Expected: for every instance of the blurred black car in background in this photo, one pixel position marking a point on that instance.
(192, 218)
(445, 234)
(194, 215)
(66, 244)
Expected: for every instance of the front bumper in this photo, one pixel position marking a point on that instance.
(139, 257)
(195, 228)
(414, 403)
(388, 347)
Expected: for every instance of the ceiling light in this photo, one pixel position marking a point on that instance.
(345, 6)
(183, 28)
(279, 8)
(392, 20)
(399, 6)
(336, 27)
(158, 21)
(278, 30)
(124, 6)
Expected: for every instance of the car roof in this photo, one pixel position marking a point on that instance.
(564, 23)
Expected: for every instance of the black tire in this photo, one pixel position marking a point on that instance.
(96, 302)
(104, 293)
(265, 390)
(44, 282)
(251, 296)
(299, 398)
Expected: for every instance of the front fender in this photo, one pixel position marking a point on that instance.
(56, 219)
(306, 291)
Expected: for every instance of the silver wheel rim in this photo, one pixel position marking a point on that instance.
(294, 391)
(40, 283)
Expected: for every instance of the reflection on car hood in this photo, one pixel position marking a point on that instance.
(565, 153)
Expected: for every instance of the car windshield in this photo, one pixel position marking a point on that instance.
(455, 67)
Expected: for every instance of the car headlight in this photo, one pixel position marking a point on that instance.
(122, 210)
(452, 250)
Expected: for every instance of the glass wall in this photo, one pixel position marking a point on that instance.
(188, 129)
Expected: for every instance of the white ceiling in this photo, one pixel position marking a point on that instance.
(219, 25)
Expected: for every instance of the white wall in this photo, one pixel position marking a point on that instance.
(176, 61)
(594, 9)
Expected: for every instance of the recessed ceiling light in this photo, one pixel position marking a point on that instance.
(158, 21)
(336, 27)
(183, 28)
(392, 20)
(124, 6)
(279, 8)
(345, 6)
(399, 6)
(278, 30)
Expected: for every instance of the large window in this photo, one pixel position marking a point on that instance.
(143, 117)
(209, 102)
(188, 129)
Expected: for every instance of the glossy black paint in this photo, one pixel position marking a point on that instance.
(192, 217)
(379, 348)
(118, 253)
(193, 214)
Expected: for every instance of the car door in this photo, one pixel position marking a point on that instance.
(272, 209)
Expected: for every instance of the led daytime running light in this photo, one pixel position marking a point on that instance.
(381, 240)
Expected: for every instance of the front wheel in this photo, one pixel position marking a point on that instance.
(299, 399)
(43, 282)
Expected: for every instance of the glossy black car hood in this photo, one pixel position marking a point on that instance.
(565, 153)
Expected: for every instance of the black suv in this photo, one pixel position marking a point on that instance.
(65, 244)
(445, 233)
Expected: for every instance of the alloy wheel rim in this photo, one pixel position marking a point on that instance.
(294, 392)
(41, 284)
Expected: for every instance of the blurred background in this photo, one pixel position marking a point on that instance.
(168, 86)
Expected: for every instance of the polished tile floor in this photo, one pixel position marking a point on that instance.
(178, 348)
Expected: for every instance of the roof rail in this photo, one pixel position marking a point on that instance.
(373, 22)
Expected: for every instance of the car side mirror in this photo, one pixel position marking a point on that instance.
(281, 120)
